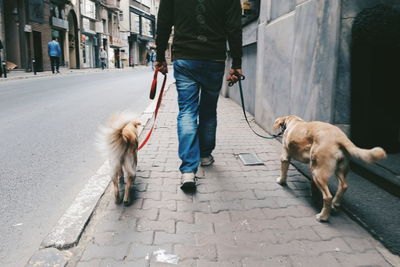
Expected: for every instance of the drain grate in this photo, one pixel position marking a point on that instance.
(250, 159)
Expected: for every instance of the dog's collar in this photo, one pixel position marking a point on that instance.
(283, 129)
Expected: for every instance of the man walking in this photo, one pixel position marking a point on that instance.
(201, 30)
(54, 51)
(103, 58)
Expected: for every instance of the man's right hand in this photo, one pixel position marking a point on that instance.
(232, 77)
(162, 67)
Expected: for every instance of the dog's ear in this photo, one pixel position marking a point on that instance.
(136, 123)
(279, 122)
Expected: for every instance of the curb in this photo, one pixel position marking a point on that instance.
(67, 232)
(67, 72)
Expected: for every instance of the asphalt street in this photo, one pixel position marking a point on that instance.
(47, 141)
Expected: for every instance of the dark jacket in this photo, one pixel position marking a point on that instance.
(201, 29)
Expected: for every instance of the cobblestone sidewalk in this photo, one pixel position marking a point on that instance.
(239, 216)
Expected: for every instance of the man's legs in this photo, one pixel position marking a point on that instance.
(207, 121)
(211, 86)
(52, 63)
(57, 59)
(188, 101)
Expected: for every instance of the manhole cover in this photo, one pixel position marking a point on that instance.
(250, 159)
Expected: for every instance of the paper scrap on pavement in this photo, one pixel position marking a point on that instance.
(161, 256)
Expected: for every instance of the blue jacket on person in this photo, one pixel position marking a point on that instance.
(54, 49)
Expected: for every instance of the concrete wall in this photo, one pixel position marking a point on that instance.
(291, 66)
(297, 60)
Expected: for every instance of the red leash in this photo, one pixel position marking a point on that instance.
(153, 91)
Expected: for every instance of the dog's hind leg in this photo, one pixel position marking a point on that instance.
(341, 171)
(285, 161)
(130, 169)
(115, 179)
(321, 171)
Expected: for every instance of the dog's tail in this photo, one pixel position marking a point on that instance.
(367, 155)
(129, 133)
(120, 135)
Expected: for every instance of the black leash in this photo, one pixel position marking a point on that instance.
(240, 79)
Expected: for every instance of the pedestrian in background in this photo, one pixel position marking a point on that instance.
(103, 58)
(147, 58)
(201, 30)
(1, 62)
(54, 51)
(153, 58)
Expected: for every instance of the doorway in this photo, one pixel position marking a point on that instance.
(37, 50)
(375, 81)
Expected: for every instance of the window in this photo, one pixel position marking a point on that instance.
(250, 11)
(36, 10)
(105, 28)
(146, 3)
(88, 9)
(147, 27)
(135, 23)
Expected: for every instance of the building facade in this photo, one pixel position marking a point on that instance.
(333, 61)
(27, 27)
(125, 29)
(142, 29)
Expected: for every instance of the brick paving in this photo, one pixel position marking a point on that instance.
(239, 215)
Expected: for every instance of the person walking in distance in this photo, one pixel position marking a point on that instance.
(147, 58)
(103, 58)
(201, 30)
(153, 58)
(54, 51)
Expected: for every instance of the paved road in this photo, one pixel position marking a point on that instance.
(47, 138)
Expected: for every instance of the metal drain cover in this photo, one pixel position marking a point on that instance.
(250, 159)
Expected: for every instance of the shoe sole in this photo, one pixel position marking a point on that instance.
(207, 164)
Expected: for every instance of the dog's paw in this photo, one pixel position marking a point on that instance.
(118, 200)
(335, 209)
(321, 218)
(280, 181)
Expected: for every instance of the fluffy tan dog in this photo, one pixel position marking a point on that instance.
(327, 149)
(119, 141)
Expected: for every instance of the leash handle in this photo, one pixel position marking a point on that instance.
(153, 91)
(241, 78)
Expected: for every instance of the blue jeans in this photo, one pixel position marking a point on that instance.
(197, 118)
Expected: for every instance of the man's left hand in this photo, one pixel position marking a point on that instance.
(233, 75)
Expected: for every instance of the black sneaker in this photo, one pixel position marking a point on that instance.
(188, 181)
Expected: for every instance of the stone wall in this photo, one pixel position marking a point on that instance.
(297, 60)
(292, 60)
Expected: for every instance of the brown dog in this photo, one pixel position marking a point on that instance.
(119, 141)
(327, 149)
